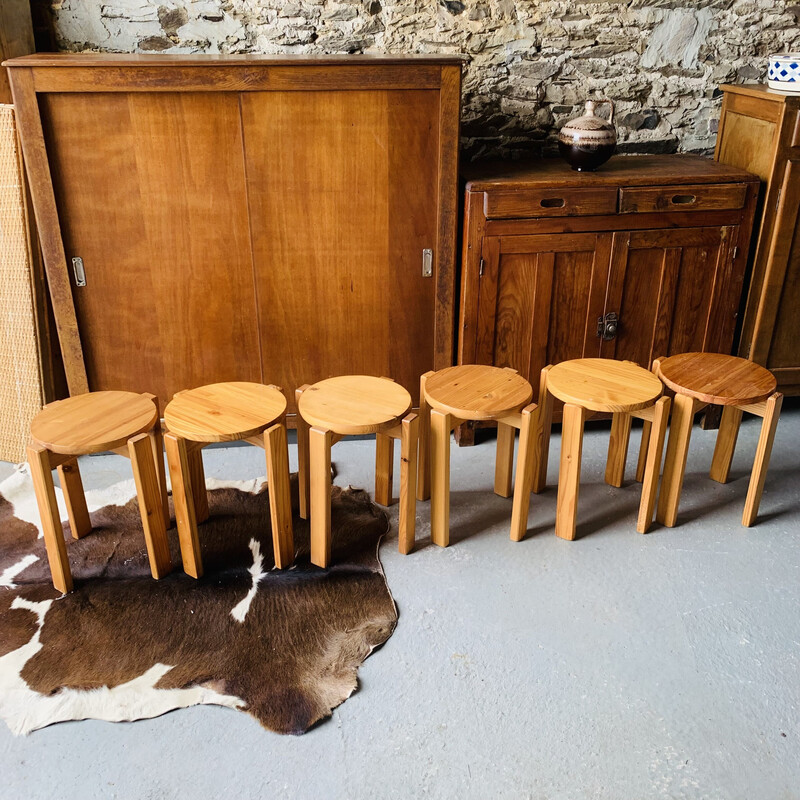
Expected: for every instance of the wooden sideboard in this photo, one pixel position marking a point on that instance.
(643, 258)
(270, 219)
(759, 131)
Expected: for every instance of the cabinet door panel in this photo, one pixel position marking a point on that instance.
(150, 190)
(781, 303)
(539, 300)
(671, 291)
(785, 347)
(343, 195)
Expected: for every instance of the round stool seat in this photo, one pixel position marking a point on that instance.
(603, 384)
(93, 422)
(351, 405)
(224, 412)
(477, 392)
(717, 378)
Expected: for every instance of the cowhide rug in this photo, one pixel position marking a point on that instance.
(284, 646)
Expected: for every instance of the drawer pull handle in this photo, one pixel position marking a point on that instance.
(552, 202)
(684, 199)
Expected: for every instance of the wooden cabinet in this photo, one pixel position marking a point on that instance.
(245, 218)
(759, 131)
(644, 258)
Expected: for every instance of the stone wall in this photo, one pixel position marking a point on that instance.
(530, 63)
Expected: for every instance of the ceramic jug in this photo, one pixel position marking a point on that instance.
(588, 141)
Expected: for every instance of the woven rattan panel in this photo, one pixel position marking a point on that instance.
(20, 376)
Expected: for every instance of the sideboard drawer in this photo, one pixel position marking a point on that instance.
(682, 198)
(554, 202)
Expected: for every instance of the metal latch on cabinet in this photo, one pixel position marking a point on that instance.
(607, 326)
(80, 273)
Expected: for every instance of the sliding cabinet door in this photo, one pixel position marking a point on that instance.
(151, 196)
(342, 189)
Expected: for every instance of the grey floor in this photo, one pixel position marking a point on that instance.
(617, 666)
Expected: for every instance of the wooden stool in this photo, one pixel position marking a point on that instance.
(454, 395)
(226, 412)
(354, 405)
(123, 422)
(603, 385)
(701, 379)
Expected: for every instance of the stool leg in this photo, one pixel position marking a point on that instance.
(544, 426)
(69, 477)
(409, 435)
(151, 507)
(652, 469)
(504, 462)
(280, 500)
(763, 451)
(641, 464)
(42, 475)
(726, 444)
(157, 445)
(569, 476)
(618, 449)
(302, 457)
(157, 448)
(319, 446)
(441, 425)
(424, 449)
(384, 469)
(524, 479)
(183, 500)
(680, 433)
(197, 477)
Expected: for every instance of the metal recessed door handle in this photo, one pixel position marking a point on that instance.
(79, 272)
(427, 263)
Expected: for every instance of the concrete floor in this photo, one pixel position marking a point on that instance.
(618, 666)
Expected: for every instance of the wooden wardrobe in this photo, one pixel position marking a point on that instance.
(246, 218)
(759, 130)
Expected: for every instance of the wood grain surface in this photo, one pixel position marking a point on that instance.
(224, 412)
(538, 290)
(473, 391)
(717, 378)
(758, 131)
(678, 198)
(341, 188)
(354, 404)
(619, 171)
(276, 211)
(163, 236)
(601, 384)
(93, 423)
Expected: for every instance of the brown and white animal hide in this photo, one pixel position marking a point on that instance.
(283, 645)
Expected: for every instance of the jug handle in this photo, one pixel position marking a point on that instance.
(613, 109)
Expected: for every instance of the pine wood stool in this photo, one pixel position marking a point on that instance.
(226, 412)
(455, 395)
(701, 379)
(354, 405)
(603, 385)
(123, 422)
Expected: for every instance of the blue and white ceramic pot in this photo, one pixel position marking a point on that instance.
(784, 72)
